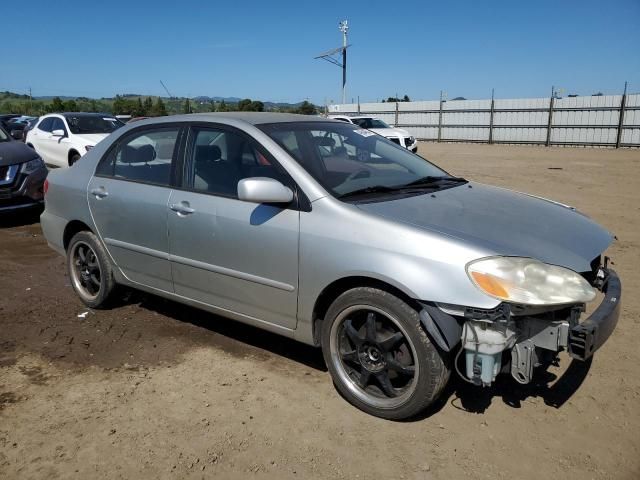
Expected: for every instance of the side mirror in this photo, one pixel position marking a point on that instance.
(16, 134)
(58, 133)
(263, 190)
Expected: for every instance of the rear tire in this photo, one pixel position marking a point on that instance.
(90, 270)
(379, 356)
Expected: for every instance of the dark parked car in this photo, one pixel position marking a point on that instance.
(29, 124)
(17, 125)
(22, 175)
(6, 118)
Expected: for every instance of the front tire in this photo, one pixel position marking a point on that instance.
(90, 270)
(75, 156)
(379, 356)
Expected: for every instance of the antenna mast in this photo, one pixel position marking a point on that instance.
(343, 26)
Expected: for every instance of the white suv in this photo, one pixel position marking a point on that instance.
(397, 135)
(62, 138)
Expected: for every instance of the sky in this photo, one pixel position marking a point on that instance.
(265, 49)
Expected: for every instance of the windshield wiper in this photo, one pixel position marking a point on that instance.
(424, 182)
(430, 181)
(367, 190)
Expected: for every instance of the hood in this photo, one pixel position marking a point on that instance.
(91, 138)
(390, 132)
(13, 152)
(504, 222)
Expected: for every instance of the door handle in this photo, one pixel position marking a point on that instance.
(182, 208)
(99, 192)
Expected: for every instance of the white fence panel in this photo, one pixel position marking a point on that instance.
(465, 133)
(377, 107)
(520, 135)
(521, 118)
(425, 133)
(588, 120)
(414, 118)
(428, 105)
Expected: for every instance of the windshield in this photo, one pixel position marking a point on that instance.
(346, 159)
(79, 124)
(370, 123)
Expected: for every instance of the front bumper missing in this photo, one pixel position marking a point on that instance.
(533, 339)
(587, 337)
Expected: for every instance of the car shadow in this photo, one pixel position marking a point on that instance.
(554, 391)
(20, 218)
(242, 335)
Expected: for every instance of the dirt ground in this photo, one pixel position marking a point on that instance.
(153, 389)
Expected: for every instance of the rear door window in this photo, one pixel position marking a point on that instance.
(145, 157)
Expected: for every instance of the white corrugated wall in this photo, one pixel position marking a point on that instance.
(591, 120)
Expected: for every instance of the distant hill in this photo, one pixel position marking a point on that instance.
(216, 99)
(51, 97)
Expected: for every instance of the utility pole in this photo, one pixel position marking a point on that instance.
(623, 103)
(442, 94)
(344, 28)
(30, 102)
(491, 117)
(329, 57)
(550, 119)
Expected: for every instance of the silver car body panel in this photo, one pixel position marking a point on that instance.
(132, 222)
(267, 266)
(504, 221)
(237, 255)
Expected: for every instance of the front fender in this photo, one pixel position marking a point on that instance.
(338, 241)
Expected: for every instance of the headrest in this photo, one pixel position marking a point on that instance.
(324, 141)
(340, 151)
(209, 153)
(141, 154)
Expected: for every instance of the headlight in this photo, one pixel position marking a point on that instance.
(32, 165)
(528, 281)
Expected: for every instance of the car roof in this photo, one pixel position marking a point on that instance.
(87, 114)
(253, 118)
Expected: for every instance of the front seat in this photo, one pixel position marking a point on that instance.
(213, 173)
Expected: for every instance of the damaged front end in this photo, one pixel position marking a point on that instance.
(517, 338)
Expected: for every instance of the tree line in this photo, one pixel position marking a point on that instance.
(138, 106)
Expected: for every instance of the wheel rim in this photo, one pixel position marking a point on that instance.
(85, 271)
(374, 356)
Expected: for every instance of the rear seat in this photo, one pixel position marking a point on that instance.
(134, 165)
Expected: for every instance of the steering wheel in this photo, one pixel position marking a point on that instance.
(359, 174)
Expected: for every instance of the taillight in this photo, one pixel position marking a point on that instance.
(45, 187)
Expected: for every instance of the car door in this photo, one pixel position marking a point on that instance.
(58, 146)
(128, 198)
(39, 138)
(238, 256)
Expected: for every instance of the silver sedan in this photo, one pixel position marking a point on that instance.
(332, 235)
